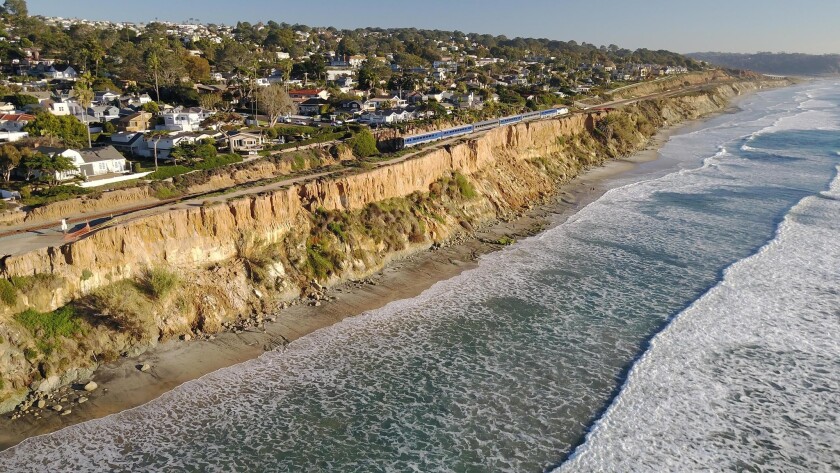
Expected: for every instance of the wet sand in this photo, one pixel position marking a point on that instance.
(123, 386)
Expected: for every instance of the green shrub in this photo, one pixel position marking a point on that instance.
(86, 274)
(8, 293)
(62, 322)
(464, 186)
(135, 167)
(163, 191)
(159, 282)
(219, 161)
(52, 194)
(320, 263)
(364, 144)
(165, 172)
(37, 281)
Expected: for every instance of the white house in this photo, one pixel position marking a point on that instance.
(185, 119)
(164, 144)
(62, 72)
(90, 162)
(58, 109)
(105, 97)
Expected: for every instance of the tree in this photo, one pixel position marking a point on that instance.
(16, 8)
(10, 158)
(65, 128)
(151, 107)
(46, 167)
(22, 100)
(153, 63)
(209, 101)
(275, 102)
(84, 95)
(198, 68)
(364, 144)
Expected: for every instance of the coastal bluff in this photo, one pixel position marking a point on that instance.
(197, 270)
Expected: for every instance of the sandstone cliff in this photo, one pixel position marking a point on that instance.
(196, 269)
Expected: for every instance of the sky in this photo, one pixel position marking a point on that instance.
(807, 26)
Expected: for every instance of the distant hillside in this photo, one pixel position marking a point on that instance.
(775, 63)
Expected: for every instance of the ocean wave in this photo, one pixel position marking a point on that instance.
(745, 378)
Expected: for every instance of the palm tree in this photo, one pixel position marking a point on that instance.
(84, 95)
(157, 135)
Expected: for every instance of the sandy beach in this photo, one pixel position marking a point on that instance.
(122, 385)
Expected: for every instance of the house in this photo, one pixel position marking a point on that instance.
(244, 142)
(15, 122)
(353, 107)
(12, 136)
(104, 113)
(89, 162)
(105, 97)
(99, 161)
(185, 119)
(379, 103)
(335, 74)
(312, 106)
(64, 72)
(164, 144)
(131, 143)
(384, 117)
(345, 84)
(301, 95)
(140, 121)
(58, 109)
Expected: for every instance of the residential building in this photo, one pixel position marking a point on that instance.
(89, 162)
(185, 119)
(244, 142)
(300, 95)
(139, 121)
(105, 97)
(15, 122)
(63, 72)
(312, 106)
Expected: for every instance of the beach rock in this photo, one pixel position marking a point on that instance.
(42, 404)
(57, 407)
(82, 400)
(67, 412)
(145, 367)
(91, 386)
(186, 337)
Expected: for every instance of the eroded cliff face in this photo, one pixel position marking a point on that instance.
(246, 255)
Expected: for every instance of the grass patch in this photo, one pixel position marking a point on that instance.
(54, 194)
(62, 322)
(465, 187)
(320, 262)
(159, 282)
(257, 256)
(8, 293)
(37, 281)
(164, 192)
(165, 172)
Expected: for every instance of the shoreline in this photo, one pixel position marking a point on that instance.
(122, 385)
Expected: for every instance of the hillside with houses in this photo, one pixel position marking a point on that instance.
(98, 104)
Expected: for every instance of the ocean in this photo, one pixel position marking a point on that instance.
(687, 320)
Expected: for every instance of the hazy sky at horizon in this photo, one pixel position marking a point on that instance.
(808, 26)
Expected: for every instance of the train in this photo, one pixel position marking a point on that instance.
(416, 140)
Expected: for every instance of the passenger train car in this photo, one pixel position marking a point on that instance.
(414, 140)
